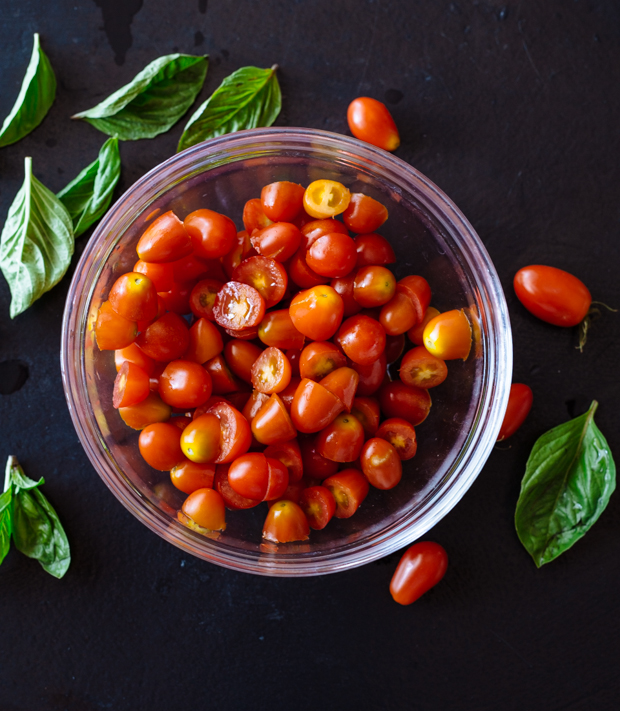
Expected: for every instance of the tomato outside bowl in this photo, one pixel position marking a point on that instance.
(430, 237)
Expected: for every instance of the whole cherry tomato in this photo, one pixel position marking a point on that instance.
(165, 339)
(164, 240)
(341, 440)
(133, 296)
(279, 241)
(400, 400)
(552, 295)
(318, 359)
(200, 441)
(205, 508)
(232, 499)
(277, 329)
(362, 339)
(371, 376)
(282, 201)
(190, 476)
(258, 477)
(449, 335)
(421, 567)
(160, 446)
(286, 522)
(211, 233)
(317, 312)
(185, 384)
(373, 286)
(333, 255)
(370, 121)
(398, 315)
(205, 341)
(372, 249)
(364, 214)
(519, 406)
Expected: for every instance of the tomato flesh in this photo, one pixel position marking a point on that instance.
(319, 505)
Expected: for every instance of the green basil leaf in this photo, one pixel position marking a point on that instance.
(89, 195)
(5, 522)
(568, 480)
(34, 99)
(153, 101)
(37, 531)
(248, 98)
(36, 243)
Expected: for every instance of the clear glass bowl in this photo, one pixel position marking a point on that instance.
(430, 237)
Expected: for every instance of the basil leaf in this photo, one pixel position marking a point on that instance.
(89, 195)
(5, 522)
(568, 480)
(153, 101)
(35, 97)
(248, 98)
(37, 531)
(36, 243)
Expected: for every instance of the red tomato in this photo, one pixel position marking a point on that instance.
(315, 465)
(416, 334)
(311, 231)
(134, 355)
(552, 295)
(176, 300)
(200, 440)
(421, 567)
(211, 233)
(238, 306)
(421, 369)
(279, 241)
(160, 446)
(344, 286)
(235, 434)
(401, 435)
(286, 522)
(293, 355)
(205, 341)
(314, 407)
(231, 498)
(254, 217)
(333, 255)
(349, 488)
(282, 201)
(367, 411)
(193, 267)
(398, 315)
(342, 440)
(133, 297)
(271, 372)
(394, 347)
(317, 312)
(373, 286)
(400, 400)
(185, 384)
(165, 339)
(205, 507)
(342, 382)
(277, 329)
(290, 455)
(164, 240)
(370, 121)
(272, 424)
(162, 275)
(362, 339)
(371, 376)
(266, 275)
(222, 379)
(300, 273)
(254, 404)
(449, 335)
(364, 214)
(418, 290)
(319, 505)
(381, 463)
(241, 356)
(519, 406)
(372, 249)
(189, 476)
(288, 393)
(112, 331)
(152, 409)
(241, 249)
(254, 476)
(318, 359)
(131, 385)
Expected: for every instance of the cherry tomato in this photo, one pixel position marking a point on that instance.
(362, 339)
(133, 297)
(271, 372)
(401, 435)
(205, 341)
(162, 275)
(286, 522)
(290, 455)
(315, 465)
(300, 273)
(552, 295)
(381, 463)
(185, 384)
(332, 255)
(293, 355)
(189, 476)
(289, 391)
(160, 446)
(165, 339)
(326, 198)
(342, 440)
(244, 334)
(319, 505)
(318, 359)
(314, 407)
(282, 201)
(222, 379)
(342, 382)
(193, 267)
(176, 300)
(371, 376)
(131, 385)
(231, 498)
(241, 249)
(519, 406)
(364, 214)
(416, 334)
(277, 329)
(367, 411)
(398, 315)
(164, 240)
(238, 306)
(448, 336)
(254, 476)
(235, 434)
(293, 493)
(400, 400)
(272, 424)
(200, 441)
(134, 355)
(421, 568)
(254, 404)
(373, 286)
(241, 356)
(266, 275)
(317, 312)
(421, 369)
(279, 241)
(112, 331)
(373, 250)
(418, 290)
(254, 217)
(211, 233)
(344, 286)
(152, 409)
(370, 121)
(349, 488)
(394, 347)
(205, 507)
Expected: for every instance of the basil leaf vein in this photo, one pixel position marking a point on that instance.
(5, 522)
(248, 98)
(89, 194)
(569, 478)
(36, 243)
(34, 100)
(153, 101)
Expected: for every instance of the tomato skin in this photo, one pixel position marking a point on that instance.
(165, 339)
(371, 376)
(133, 297)
(367, 411)
(319, 505)
(285, 523)
(381, 463)
(400, 400)
(277, 329)
(254, 217)
(288, 393)
(231, 498)
(317, 312)
(401, 435)
(222, 379)
(370, 121)
(134, 355)
(364, 214)
(271, 372)
(373, 286)
(235, 433)
(332, 255)
(314, 229)
(189, 476)
(162, 275)
(176, 300)
(272, 424)
(266, 275)
(131, 385)
(113, 332)
(164, 240)
(349, 488)
(279, 241)
(394, 347)
(254, 404)
(242, 249)
(362, 339)
(200, 440)
(421, 568)
(398, 315)
(319, 359)
(205, 507)
(205, 341)
(315, 465)
(290, 455)
(342, 382)
(160, 446)
(373, 250)
(249, 475)
(241, 356)
(416, 334)
(326, 198)
(552, 295)
(345, 286)
(314, 407)
(519, 406)
(342, 440)
(293, 355)
(282, 201)
(152, 409)
(193, 267)
(421, 369)
(418, 290)
(300, 273)
(211, 233)
(185, 384)
(449, 335)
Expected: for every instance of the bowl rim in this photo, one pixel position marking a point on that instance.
(490, 410)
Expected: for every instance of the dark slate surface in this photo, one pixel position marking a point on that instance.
(511, 108)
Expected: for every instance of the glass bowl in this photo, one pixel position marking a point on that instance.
(430, 237)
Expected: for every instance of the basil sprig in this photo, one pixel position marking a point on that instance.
(89, 195)
(27, 516)
(153, 101)
(36, 243)
(248, 98)
(568, 480)
(35, 97)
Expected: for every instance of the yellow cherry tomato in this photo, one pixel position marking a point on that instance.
(326, 198)
(448, 335)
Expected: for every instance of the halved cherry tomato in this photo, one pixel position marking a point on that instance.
(185, 384)
(400, 400)
(421, 567)
(271, 372)
(277, 329)
(300, 273)
(364, 214)
(241, 356)
(344, 286)
(164, 240)
(238, 306)
(394, 347)
(314, 407)
(266, 275)
(333, 255)
(317, 312)
(401, 435)
(552, 295)
(315, 465)
(373, 250)
(398, 315)
(160, 446)
(290, 455)
(254, 476)
(131, 385)
(112, 331)
(342, 440)
(272, 424)
(349, 488)
(133, 297)
(371, 376)
(222, 379)
(381, 463)
(418, 290)
(286, 522)
(373, 286)
(319, 505)
(519, 406)
(205, 341)
(416, 334)
(241, 249)
(279, 241)
(449, 335)
(152, 409)
(362, 339)
(254, 404)
(367, 411)
(165, 339)
(326, 198)
(212, 234)
(235, 434)
(282, 201)
(200, 441)
(231, 498)
(244, 334)
(421, 369)
(162, 275)
(254, 217)
(189, 476)
(342, 382)
(318, 359)
(370, 121)
(205, 507)
(134, 355)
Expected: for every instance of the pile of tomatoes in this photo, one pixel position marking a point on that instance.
(254, 363)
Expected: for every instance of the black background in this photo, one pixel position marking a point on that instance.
(512, 108)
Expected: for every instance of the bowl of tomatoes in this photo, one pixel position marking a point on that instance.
(244, 385)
